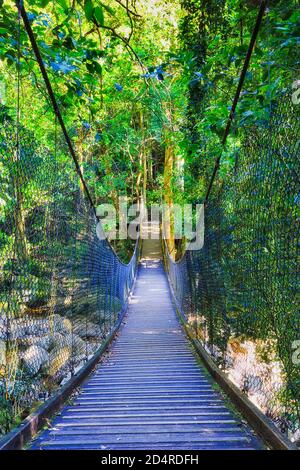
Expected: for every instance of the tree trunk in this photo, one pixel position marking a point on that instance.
(168, 197)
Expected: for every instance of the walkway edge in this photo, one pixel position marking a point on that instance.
(18, 437)
(262, 425)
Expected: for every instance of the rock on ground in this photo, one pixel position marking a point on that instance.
(34, 358)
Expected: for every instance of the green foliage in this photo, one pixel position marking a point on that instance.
(6, 413)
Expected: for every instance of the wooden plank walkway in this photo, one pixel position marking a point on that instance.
(150, 392)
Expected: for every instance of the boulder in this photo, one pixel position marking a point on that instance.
(57, 341)
(17, 329)
(34, 358)
(92, 348)
(61, 324)
(58, 358)
(20, 328)
(42, 341)
(87, 330)
(77, 345)
(38, 326)
(67, 325)
(74, 342)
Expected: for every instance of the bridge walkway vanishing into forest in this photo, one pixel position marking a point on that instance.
(150, 392)
(64, 293)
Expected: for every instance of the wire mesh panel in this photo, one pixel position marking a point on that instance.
(62, 289)
(240, 290)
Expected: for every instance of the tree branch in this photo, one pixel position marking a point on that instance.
(128, 10)
(127, 45)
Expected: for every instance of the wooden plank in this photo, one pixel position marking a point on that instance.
(144, 438)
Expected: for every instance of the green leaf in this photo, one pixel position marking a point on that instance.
(98, 68)
(248, 113)
(43, 3)
(109, 9)
(63, 4)
(88, 9)
(94, 67)
(98, 13)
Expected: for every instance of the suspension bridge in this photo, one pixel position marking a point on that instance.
(150, 391)
(158, 353)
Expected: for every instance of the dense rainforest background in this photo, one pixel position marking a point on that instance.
(145, 89)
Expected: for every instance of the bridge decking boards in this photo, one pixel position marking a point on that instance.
(150, 392)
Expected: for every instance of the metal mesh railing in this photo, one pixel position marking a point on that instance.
(239, 292)
(61, 288)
